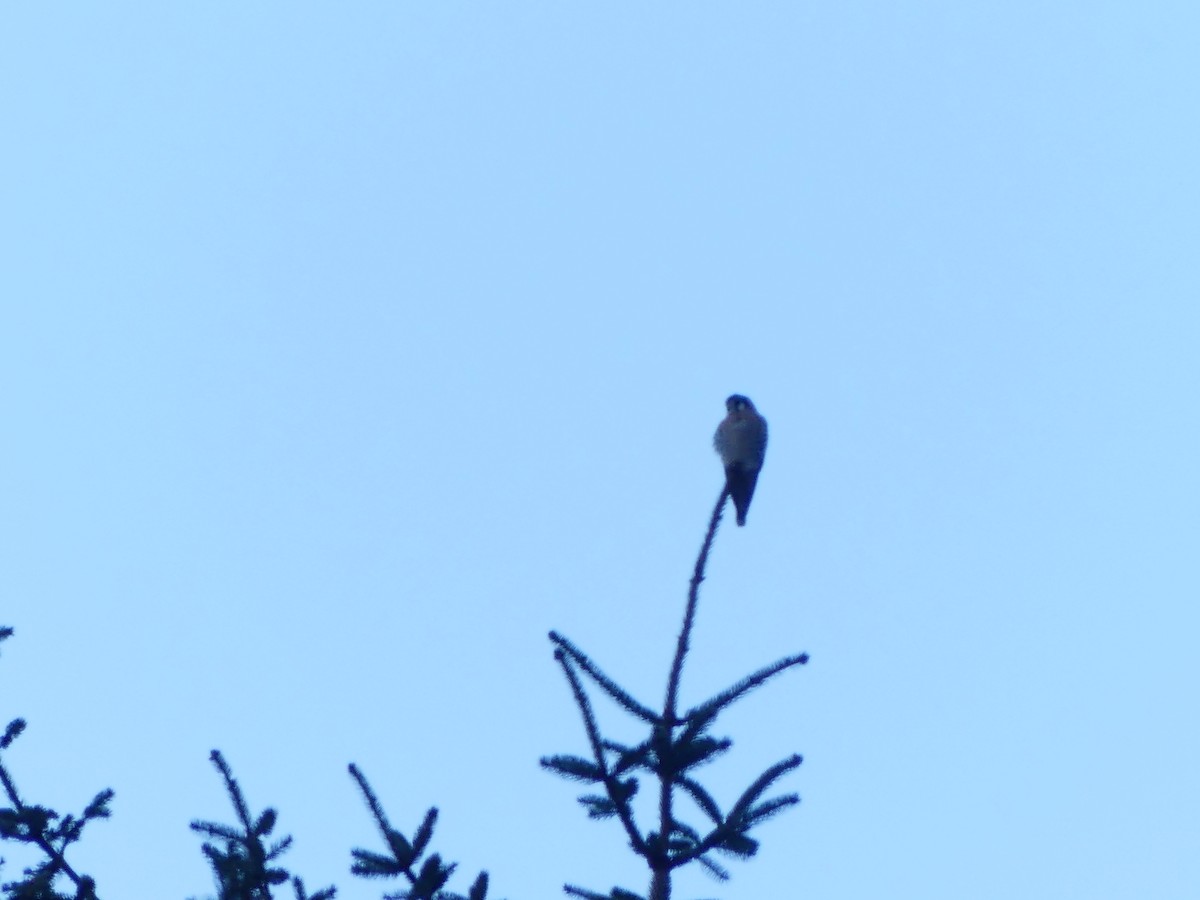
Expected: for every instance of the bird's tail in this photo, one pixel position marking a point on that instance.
(740, 487)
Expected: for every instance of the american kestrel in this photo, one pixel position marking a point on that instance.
(741, 440)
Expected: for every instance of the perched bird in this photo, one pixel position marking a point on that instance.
(741, 441)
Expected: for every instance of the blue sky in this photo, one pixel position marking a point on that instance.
(348, 350)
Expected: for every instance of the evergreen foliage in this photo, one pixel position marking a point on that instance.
(426, 879)
(675, 746)
(244, 867)
(43, 828)
(246, 860)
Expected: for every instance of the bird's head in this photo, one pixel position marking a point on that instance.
(737, 403)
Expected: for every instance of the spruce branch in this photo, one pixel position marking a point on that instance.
(615, 894)
(619, 791)
(43, 828)
(675, 747)
(726, 698)
(426, 879)
(609, 686)
(661, 866)
(689, 615)
(243, 865)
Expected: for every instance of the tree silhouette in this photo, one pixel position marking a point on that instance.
(43, 828)
(244, 867)
(674, 747)
(426, 880)
(246, 861)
